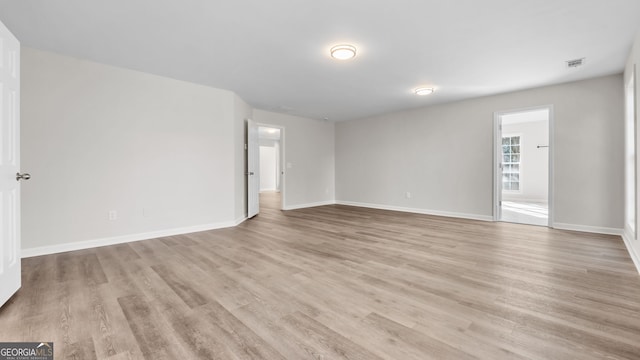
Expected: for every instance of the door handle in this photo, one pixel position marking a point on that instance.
(251, 173)
(24, 176)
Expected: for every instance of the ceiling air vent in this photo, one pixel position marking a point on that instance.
(575, 63)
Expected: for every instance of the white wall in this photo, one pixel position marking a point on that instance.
(631, 240)
(534, 166)
(309, 147)
(268, 168)
(97, 138)
(275, 144)
(443, 155)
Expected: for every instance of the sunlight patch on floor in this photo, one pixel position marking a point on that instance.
(525, 213)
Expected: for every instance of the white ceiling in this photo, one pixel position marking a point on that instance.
(274, 54)
(525, 116)
(268, 133)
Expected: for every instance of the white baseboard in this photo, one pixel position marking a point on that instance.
(628, 242)
(590, 229)
(304, 206)
(417, 211)
(81, 245)
(88, 244)
(238, 221)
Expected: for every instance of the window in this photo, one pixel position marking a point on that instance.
(511, 163)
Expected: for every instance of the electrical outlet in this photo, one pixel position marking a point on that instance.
(113, 215)
(407, 195)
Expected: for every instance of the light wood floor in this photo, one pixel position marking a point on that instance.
(337, 282)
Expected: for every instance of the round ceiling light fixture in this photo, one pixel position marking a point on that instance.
(343, 52)
(424, 91)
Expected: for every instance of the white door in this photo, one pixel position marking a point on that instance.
(253, 169)
(9, 164)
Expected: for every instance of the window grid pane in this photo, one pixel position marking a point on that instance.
(511, 163)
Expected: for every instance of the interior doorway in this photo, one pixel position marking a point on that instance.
(522, 184)
(271, 140)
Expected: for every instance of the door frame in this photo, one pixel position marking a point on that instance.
(497, 159)
(283, 162)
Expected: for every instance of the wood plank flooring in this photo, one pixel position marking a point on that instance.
(337, 282)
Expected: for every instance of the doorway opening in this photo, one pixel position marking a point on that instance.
(523, 171)
(270, 140)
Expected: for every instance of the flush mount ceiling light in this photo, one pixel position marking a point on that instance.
(343, 52)
(423, 91)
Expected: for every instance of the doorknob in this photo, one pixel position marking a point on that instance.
(251, 173)
(24, 176)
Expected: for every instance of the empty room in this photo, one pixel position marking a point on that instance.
(319, 180)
